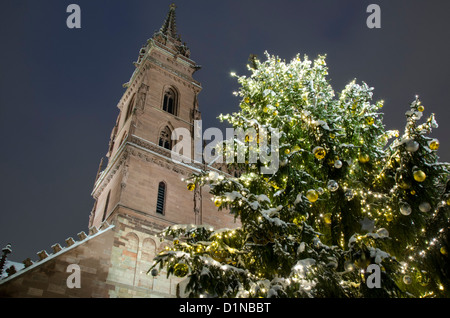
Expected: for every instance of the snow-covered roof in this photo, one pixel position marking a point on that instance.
(8, 264)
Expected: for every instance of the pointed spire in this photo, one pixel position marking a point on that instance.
(168, 36)
(170, 27)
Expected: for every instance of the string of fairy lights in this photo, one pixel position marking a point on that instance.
(276, 109)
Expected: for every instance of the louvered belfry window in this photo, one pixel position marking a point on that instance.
(161, 198)
(164, 138)
(169, 102)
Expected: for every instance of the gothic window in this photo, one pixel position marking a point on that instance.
(106, 206)
(169, 101)
(161, 198)
(164, 138)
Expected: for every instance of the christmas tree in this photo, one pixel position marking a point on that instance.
(348, 200)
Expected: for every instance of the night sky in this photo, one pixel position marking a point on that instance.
(59, 87)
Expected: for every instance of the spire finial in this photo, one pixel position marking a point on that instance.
(170, 27)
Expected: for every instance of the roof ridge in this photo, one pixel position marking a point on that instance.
(58, 250)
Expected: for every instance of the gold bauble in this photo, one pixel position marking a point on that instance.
(422, 278)
(404, 183)
(443, 250)
(389, 217)
(296, 148)
(327, 218)
(434, 145)
(364, 158)
(312, 195)
(319, 153)
(420, 108)
(191, 186)
(370, 120)
(413, 192)
(217, 203)
(287, 151)
(363, 261)
(265, 109)
(247, 100)
(180, 270)
(419, 176)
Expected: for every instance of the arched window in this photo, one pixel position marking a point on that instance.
(161, 198)
(170, 101)
(164, 138)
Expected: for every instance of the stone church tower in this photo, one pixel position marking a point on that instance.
(138, 193)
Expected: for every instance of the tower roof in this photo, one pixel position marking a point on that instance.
(170, 26)
(168, 36)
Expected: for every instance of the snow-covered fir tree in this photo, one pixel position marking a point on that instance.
(347, 194)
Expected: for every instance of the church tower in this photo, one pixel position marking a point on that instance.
(140, 190)
(140, 180)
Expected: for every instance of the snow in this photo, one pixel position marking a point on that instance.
(8, 264)
(262, 198)
(302, 265)
(378, 254)
(298, 199)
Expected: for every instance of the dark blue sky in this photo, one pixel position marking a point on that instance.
(59, 87)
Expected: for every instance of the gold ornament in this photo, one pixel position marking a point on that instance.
(275, 113)
(443, 250)
(319, 153)
(332, 136)
(180, 270)
(217, 203)
(407, 279)
(370, 120)
(404, 183)
(296, 148)
(434, 144)
(422, 278)
(247, 100)
(191, 186)
(413, 192)
(287, 151)
(327, 218)
(364, 158)
(421, 108)
(389, 217)
(419, 176)
(265, 109)
(363, 261)
(312, 195)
